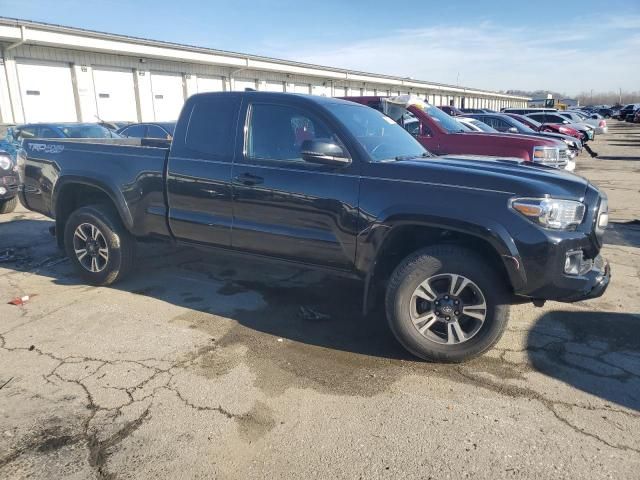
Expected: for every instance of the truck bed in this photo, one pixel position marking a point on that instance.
(131, 167)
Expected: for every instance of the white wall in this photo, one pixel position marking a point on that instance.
(134, 93)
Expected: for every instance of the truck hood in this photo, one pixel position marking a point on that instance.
(509, 176)
(513, 139)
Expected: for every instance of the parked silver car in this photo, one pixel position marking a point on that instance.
(595, 120)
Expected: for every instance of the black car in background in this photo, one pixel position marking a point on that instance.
(605, 112)
(62, 130)
(627, 110)
(162, 130)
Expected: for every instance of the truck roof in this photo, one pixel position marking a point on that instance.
(273, 95)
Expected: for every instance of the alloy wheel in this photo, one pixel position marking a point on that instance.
(90, 247)
(448, 309)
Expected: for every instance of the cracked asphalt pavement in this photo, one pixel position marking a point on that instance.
(206, 366)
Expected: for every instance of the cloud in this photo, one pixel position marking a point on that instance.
(591, 55)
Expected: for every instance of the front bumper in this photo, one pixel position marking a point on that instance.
(591, 285)
(544, 263)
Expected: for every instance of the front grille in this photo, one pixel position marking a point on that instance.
(8, 180)
(563, 160)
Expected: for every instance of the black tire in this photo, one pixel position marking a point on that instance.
(441, 260)
(120, 244)
(8, 206)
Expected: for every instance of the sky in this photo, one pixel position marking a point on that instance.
(568, 46)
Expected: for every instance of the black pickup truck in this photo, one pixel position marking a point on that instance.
(448, 243)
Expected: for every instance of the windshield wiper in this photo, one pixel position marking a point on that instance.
(409, 157)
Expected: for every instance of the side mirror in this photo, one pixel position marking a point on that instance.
(324, 152)
(22, 134)
(512, 130)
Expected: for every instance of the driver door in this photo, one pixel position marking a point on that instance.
(284, 206)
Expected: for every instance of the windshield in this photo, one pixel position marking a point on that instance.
(88, 131)
(379, 135)
(447, 122)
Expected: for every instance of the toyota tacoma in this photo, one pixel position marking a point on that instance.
(447, 243)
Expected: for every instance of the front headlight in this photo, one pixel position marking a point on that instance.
(546, 154)
(5, 162)
(550, 212)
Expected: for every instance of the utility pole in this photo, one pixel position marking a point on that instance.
(620, 98)
(592, 96)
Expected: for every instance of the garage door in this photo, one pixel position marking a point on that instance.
(301, 88)
(115, 94)
(339, 92)
(168, 96)
(321, 90)
(46, 91)
(209, 84)
(240, 84)
(273, 86)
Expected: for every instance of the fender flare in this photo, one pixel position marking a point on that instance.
(485, 229)
(102, 184)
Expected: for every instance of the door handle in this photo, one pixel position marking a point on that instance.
(248, 179)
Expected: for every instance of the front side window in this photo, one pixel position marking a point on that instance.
(47, 132)
(556, 119)
(538, 117)
(276, 132)
(500, 125)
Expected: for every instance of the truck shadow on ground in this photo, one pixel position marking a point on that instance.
(596, 352)
(625, 234)
(619, 157)
(285, 301)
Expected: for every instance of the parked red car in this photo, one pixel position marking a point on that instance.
(546, 127)
(442, 134)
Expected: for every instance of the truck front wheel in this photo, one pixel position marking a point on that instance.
(445, 304)
(98, 244)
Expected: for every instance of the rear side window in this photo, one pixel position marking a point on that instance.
(46, 132)
(154, 131)
(212, 126)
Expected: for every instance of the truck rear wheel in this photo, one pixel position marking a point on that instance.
(445, 304)
(8, 206)
(98, 244)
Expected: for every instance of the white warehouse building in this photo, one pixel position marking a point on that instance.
(51, 73)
